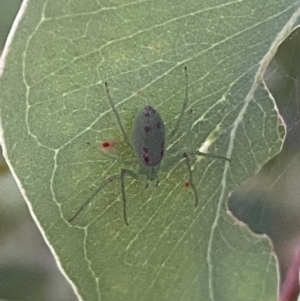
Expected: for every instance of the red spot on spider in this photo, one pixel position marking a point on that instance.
(147, 114)
(145, 150)
(147, 128)
(149, 108)
(146, 159)
(107, 145)
(187, 184)
(158, 125)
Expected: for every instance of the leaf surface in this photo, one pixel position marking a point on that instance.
(55, 116)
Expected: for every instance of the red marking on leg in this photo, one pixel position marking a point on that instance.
(107, 145)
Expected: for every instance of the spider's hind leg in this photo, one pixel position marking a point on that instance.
(101, 186)
(188, 164)
(122, 175)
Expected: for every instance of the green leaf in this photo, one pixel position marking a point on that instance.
(55, 115)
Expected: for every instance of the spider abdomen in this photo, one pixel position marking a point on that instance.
(148, 136)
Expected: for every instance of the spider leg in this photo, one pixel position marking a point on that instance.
(133, 175)
(156, 184)
(188, 164)
(117, 116)
(184, 105)
(102, 185)
(198, 153)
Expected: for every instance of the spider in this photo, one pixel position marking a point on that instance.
(149, 144)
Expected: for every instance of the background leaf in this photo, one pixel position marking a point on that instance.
(55, 114)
